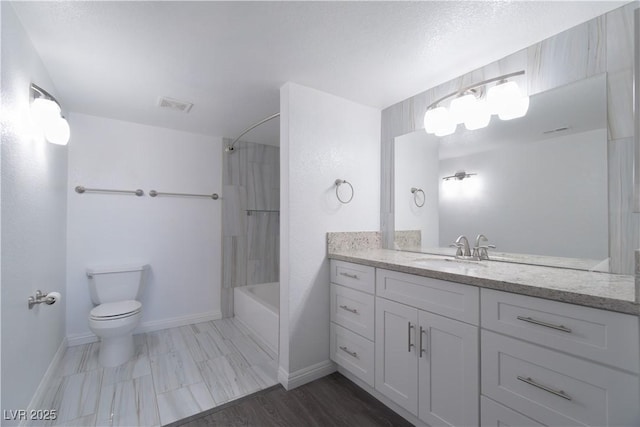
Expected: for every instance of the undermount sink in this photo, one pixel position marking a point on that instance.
(448, 262)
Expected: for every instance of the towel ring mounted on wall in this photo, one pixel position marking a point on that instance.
(415, 192)
(339, 182)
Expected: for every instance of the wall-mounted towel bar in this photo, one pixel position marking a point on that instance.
(154, 193)
(80, 189)
(251, 211)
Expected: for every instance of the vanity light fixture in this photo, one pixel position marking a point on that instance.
(471, 107)
(459, 176)
(46, 113)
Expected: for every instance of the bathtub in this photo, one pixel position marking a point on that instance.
(258, 308)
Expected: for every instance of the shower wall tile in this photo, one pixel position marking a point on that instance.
(570, 56)
(250, 248)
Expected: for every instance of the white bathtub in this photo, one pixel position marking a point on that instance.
(258, 308)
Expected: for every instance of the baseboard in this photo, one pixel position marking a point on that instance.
(48, 375)
(154, 325)
(303, 376)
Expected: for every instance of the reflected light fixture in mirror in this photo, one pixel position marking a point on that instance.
(47, 115)
(504, 99)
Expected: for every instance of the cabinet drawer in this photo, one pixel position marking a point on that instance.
(352, 352)
(356, 276)
(496, 415)
(353, 310)
(555, 388)
(460, 302)
(604, 336)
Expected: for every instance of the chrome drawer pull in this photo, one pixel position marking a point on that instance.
(559, 393)
(409, 337)
(350, 353)
(422, 331)
(350, 310)
(350, 276)
(541, 323)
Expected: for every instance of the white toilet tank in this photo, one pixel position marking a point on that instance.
(112, 284)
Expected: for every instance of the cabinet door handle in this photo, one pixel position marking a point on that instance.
(409, 337)
(350, 353)
(530, 381)
(350, 276)
(545, 324)
(422, 331)
(350, 310)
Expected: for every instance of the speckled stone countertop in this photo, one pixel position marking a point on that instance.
(614, 292)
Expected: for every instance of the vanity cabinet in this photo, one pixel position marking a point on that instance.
(427, 345)
(352, 318)
(425, 362)
(558, 363)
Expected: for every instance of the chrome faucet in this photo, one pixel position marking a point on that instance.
(481, 251)
(462, 243)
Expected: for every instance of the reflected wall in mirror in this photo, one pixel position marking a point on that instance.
(538, 184)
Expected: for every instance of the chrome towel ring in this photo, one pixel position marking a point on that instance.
(339, 182)
(415, 192)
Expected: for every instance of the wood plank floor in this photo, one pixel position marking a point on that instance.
(329, 401)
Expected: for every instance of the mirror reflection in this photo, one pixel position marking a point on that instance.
(536, 186)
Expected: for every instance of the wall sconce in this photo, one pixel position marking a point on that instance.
(459, 176)
(472, 108)
(46, 113)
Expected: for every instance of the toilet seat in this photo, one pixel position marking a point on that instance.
(115, 310)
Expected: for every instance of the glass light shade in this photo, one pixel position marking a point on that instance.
(506, 100)
(446, 126)
(434, 118)
(44, 111)
(517, 108)
(478, 116)
(58, 132)
(462, 108)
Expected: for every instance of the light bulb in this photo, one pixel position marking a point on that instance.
(446, 126)
(44, 111)
(58, 131)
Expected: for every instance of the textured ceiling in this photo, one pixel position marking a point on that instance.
(115, 59)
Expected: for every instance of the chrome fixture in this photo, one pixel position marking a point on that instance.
(415, 192)
(463, 251)
(154, 193)
(46, 114)
(41, 297)
(80, 190)
(339, 182)
(481, 252)
(231, 147)
(459, 176)
(471, 107)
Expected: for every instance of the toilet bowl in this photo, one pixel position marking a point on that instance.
(115, 291)
(114, 323)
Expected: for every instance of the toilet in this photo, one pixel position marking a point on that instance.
(115, 291)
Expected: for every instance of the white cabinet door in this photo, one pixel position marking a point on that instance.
(447, 371)
(396, 356)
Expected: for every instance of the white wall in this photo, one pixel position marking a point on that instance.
(34, 178)
(179, 237)
(416, 166)
(323, 138)
(518, 198)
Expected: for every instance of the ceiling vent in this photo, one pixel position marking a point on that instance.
(174, 104)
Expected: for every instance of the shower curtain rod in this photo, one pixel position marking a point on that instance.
(230, 147)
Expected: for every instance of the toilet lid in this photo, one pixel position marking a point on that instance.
(113, 309)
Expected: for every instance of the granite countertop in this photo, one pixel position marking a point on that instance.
(614, 292)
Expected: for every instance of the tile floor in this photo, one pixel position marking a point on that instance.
(175, 373)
